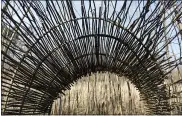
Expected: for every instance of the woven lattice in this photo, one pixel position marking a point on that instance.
(48, 45)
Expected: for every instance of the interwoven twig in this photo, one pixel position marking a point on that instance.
(48, 45)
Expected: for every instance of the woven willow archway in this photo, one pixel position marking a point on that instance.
(47, 46)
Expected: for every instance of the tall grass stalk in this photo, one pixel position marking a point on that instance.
(101, 93)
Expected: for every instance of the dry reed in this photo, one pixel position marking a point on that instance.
(100, 93)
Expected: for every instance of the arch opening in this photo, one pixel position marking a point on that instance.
(100, 93)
